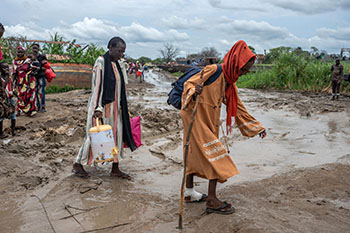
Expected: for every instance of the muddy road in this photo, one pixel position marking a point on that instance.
(295, 180)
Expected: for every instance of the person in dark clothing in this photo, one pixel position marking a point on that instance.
(337, 76)
(41, 60)
(7, 104)
(2, 30)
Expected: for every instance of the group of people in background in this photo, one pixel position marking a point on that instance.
(22, 88)
(138, 69)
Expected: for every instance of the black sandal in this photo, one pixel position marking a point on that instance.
(221, 210)
(121, 175)
(81, 174)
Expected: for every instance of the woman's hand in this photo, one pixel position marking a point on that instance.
(198, 89)
(262, 134)
(97, 114)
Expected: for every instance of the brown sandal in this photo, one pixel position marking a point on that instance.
(221, 210)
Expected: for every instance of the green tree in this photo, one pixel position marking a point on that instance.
(158, 61)
(300, 52)
(274, 53)
(144, 60)
(10, 45)
(54, 48)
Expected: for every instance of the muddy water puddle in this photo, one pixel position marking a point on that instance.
(292, 142)
(154, 97)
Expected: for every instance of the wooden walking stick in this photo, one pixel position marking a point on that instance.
(225, 137)
(185, 157)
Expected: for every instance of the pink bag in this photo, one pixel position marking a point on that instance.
(135, 124)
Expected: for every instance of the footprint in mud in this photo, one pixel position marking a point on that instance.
(285, 134)
(159, 155)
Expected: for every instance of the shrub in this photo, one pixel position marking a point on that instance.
(57, 89)
(294, 72)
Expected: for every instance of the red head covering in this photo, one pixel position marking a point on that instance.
(21, 58)
(234, 60)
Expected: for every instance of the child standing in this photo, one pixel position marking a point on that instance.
(6, 98)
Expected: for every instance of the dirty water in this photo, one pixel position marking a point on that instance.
(303, 163)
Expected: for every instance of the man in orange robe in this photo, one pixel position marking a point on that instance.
(207, 157)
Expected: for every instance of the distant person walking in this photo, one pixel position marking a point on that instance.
(40, 77)
(108, 102)
(208, 158)
(337, 77)
(139, 71)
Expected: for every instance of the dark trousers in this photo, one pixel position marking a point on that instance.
(40, 91)
(335, 87)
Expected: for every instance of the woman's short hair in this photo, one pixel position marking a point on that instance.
(115, 41)
(35, 44)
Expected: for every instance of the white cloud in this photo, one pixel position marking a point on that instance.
(224, 42)
(300, 6)
(21, 30)
(176, 22)
(98, 31)
(139, 33)
(252, 29)
(88, 30)
(249, 5)
(190, 25)
(338, 34)
(311, 6)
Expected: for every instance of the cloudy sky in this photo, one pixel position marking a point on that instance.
(190, 25)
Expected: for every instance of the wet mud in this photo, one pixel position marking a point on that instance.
(295, 180)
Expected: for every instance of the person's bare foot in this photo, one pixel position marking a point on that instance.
(214, 205)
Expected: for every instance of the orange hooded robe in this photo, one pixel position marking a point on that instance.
(207, 157)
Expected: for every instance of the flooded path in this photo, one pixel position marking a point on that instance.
(299, 172)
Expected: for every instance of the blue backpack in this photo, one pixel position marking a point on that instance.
(178, 86)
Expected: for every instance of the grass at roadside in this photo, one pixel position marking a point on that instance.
(294, 73)
(57, 89)
(177, 74)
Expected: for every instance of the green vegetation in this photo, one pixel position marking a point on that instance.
(293, 70)
(80, 55)
(57, 89)
(177, 74)
(84, 55)
(158, 61)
